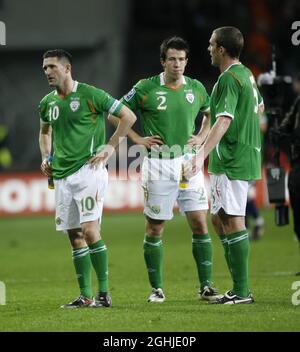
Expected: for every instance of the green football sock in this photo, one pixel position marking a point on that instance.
(202, 252)
(153, 254)
(224, 241)
(83, 268)
(238, 243)
(99, 258)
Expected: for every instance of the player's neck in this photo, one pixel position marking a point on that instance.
(172, 81)
(66, 88)
(227, 61)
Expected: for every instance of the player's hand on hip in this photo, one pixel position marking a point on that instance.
(46, 168)
(149, 141)
(195, 140)
(102, 157)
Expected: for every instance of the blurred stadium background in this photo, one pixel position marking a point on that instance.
(114, 43)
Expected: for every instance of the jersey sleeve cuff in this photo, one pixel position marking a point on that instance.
(115, 108)
(225, 113)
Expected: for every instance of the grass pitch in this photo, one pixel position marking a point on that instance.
(36, 267)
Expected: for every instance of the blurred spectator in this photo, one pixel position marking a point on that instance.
(289, 134)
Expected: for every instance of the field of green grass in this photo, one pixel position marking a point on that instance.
(36, 267)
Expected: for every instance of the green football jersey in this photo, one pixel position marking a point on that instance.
(168, 112)
(238, 154)
(78, 126)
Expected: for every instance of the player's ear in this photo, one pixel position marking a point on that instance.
(163, 63)
(222, 49)
(68, 68)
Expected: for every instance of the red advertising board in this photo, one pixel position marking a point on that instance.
(28, 194)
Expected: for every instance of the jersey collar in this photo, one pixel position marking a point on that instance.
(75, 86)
(74, 90)
(236, 63)
(162, 79)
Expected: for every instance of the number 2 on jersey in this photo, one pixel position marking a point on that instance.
(162, 105)
(252, 80)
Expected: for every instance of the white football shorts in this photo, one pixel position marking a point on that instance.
(231, 195)
(79, 197)
(162, 188)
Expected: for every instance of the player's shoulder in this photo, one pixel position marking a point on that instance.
(148, 82)
(47, 98)
(85, 88)
(88, 90)
(231, 77)
(194, 83)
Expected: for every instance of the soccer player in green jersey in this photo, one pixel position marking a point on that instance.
(234, 149)
(73, 114)
(169, 104)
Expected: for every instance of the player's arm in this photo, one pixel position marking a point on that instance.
(126, 119)
(45, 142)
(261, 105)
(134, 136)
(215, 135)
(133, 100)
(200, 138)
(229, 89)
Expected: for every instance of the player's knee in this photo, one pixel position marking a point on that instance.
(155, 231)
(76, 238)
(199, 226)
(90, 235)
(215, 221)
(154, 228)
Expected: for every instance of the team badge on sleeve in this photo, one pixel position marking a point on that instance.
(190, 97)
(130, 94)
(74, 105)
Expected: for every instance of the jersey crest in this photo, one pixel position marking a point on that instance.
(190, 97)
(74, 105)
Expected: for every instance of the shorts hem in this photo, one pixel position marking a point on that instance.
(228, 212)
(155, 217)
(65, 229)
(205, 207)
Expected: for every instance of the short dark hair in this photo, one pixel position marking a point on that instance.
(60, 54)
(231, 39)
(173, 43)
